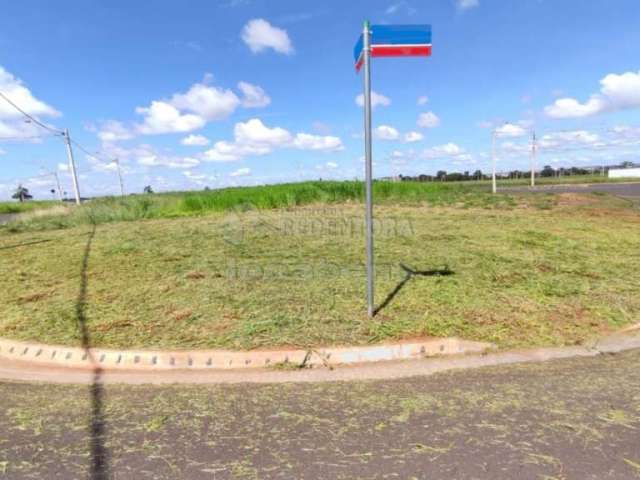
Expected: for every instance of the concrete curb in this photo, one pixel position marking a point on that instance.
(152, 360)
(25, 371)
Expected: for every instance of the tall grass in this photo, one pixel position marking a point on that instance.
(282, 196)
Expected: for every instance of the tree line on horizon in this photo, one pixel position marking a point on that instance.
(547, 172)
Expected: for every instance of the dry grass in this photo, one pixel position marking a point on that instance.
(529, 271)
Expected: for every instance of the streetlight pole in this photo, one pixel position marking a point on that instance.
(494, 187)
(533, 158)
(117, 160)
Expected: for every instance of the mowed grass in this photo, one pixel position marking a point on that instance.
(526, 270)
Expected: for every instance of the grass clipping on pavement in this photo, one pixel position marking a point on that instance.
(525, 270)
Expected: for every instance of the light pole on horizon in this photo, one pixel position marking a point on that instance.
(534, 148)
(494, 187)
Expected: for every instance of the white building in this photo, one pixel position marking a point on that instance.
(624, 173)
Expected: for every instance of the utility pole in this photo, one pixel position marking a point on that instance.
(117, 160)
(494, 187)
(55, 174)
(72, 166)
(533, 158)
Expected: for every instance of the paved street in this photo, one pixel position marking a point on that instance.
(568, 419)
(629, 191)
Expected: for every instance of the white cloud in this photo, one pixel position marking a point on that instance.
(253, 95)
(617, 92)
(376, 99)
(12, 123)
(260, 35)
(326, 167)
(423, 100)
(154, 160)
(254, 138)
(206, 101)
(510, 130)
(2, 152)
(411, 137)
(241, 172)
(560, 140)
(143, 154)
(443, 151)
(195, 141)
(511, 147)
(15, 90)
(162, 117)
(306, 141)
(113, 131)
(254, 132)
(224, 151)
(386, 132)
(428, 120)
(188, 111)
(466, 4)
(398, 6)
(251, 138)
(198, 178)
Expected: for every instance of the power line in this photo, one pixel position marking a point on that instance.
(30, 117)
(29, 137)
(88, 153)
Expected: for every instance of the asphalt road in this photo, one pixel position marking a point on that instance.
(625, 190)
(569, 419)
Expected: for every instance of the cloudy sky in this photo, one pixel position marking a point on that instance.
(243, 92)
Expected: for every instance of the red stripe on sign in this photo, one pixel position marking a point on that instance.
(359, 63)
(401, 50)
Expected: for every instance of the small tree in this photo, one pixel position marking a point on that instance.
(22, 194)
(148, 189)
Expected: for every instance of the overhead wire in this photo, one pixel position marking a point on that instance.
(30, 117)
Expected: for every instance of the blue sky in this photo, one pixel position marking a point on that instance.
(265, 90)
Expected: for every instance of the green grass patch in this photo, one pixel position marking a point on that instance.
(527, 269)
(22, 207)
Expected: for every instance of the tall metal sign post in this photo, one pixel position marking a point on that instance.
(382, 41)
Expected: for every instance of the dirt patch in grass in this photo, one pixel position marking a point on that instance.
(295, 277)
(576, 199)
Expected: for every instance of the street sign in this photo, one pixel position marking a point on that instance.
(382, 41)
(395, 41)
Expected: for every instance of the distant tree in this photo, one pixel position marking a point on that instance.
(441, 175)
(547, 171)
(22, 194)
(627, 164)
(477, 174)
(206, 189)
(148, 189)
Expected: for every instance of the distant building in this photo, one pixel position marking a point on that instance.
(624, 173)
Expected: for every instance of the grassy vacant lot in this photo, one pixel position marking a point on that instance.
(525, 269)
